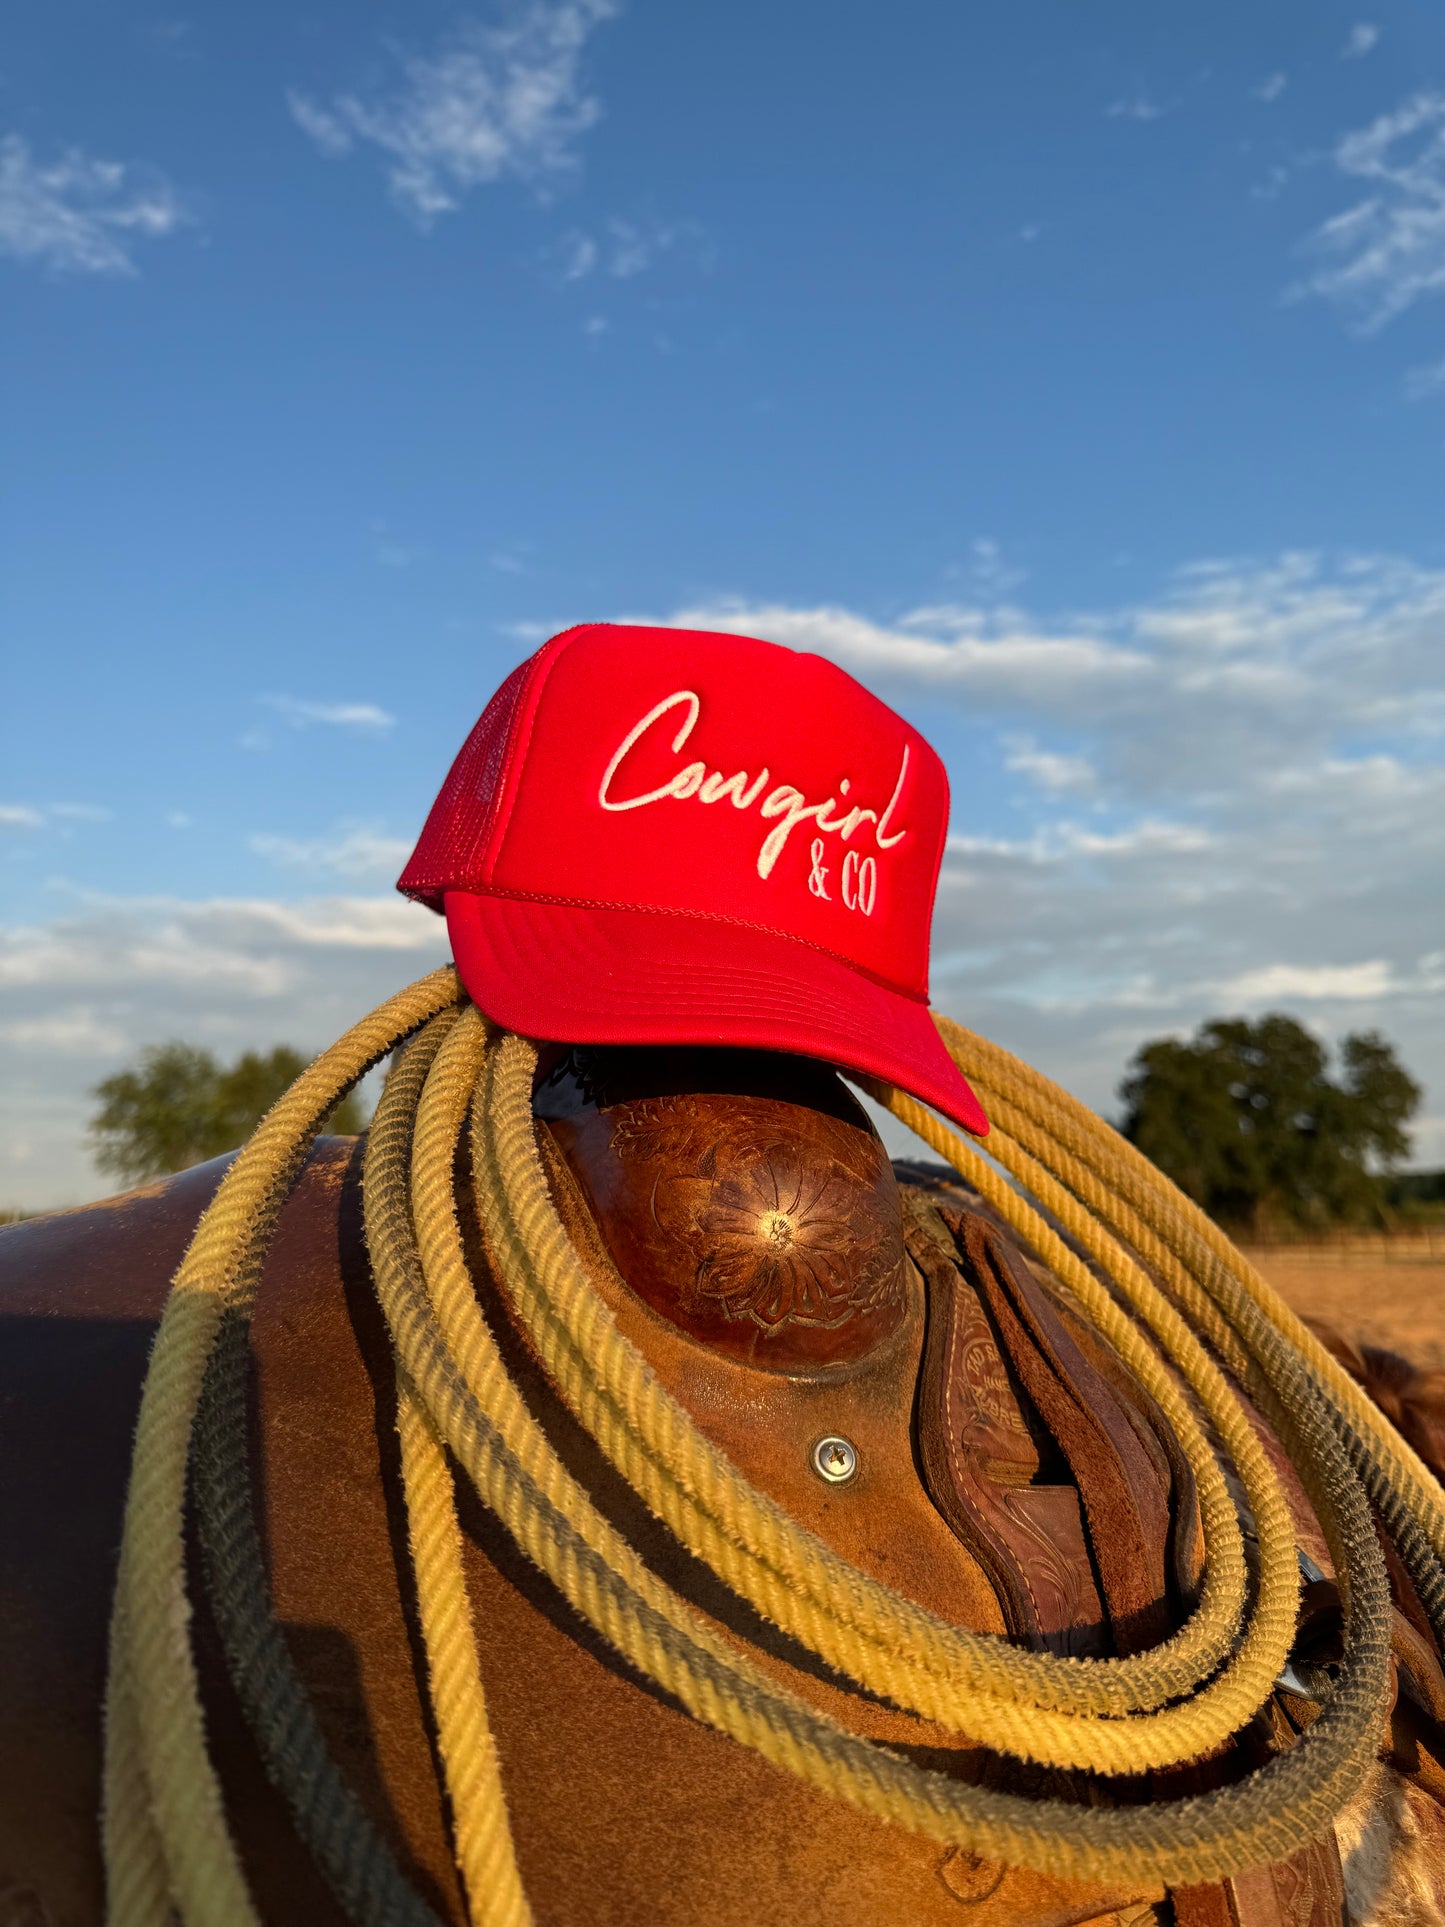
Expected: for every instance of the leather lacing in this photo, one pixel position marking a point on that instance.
(167, 1843)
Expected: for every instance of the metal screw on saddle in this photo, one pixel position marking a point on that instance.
(834, 1460)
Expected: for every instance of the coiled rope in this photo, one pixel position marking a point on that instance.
(164, 1830)
(166, 1839)
(356, 1861)
(1109, 1177)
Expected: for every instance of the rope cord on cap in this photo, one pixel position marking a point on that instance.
(170, 1840)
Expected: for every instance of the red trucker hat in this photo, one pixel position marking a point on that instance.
(661, 836)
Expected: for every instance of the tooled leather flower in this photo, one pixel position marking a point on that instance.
(783, 1245)
(778, 1234)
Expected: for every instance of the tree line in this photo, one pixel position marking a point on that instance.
(178, 1106)
(1247, 1118)
(1248, 1121)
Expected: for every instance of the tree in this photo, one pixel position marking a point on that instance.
(178, 1107)
(1247, 1121)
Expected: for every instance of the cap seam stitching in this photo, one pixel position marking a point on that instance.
(702, 916)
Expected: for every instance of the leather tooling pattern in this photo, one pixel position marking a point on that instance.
(775, 1237)
(989, 1464)
(1059, 1488)
(770, 1243)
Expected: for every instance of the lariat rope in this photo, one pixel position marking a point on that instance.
(167, 1844)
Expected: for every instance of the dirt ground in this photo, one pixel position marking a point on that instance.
(1383, 1296)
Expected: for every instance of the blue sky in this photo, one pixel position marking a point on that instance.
(1074, 376)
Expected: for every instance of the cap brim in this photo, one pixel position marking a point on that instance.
(587, 975)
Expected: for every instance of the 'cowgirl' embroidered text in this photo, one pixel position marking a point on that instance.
(787, 803)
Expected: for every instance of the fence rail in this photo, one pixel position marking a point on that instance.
(1382, 1248)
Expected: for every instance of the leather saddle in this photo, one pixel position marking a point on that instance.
(796, 1252)
(866, 1343)
(830, 1297)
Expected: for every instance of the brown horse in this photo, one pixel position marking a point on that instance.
(867, 1348)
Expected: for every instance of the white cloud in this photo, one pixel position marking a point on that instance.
(330, 133)
(1387, 251)
(1063, 841)
(78, 1033)
(1037, 667)
(173, 37)
(1270, 90)
(1260, 752)
(1272, 184)
(354, 851)
(1134, 107)
(1229, 796)
(989, 571)
(1238, 670)
(85, 992)
(54, 816)
(493, 103)
(81, 812)
(301, 715)
(1423, 384)
(1049, 769)
(78, 214)
(1363, 38)
(624, 248)
(1287, 983)
(1148, 838)
(578, 254)
(633, 247)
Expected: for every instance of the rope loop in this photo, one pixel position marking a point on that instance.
(1178, 1300)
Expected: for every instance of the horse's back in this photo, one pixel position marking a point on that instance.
(623, 1807)
(80, 1297)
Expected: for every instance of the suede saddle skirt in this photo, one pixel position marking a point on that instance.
(867, 1345)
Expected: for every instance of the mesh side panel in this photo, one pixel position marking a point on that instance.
(449, 851)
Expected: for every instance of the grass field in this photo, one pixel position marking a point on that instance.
(1383, 1291)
